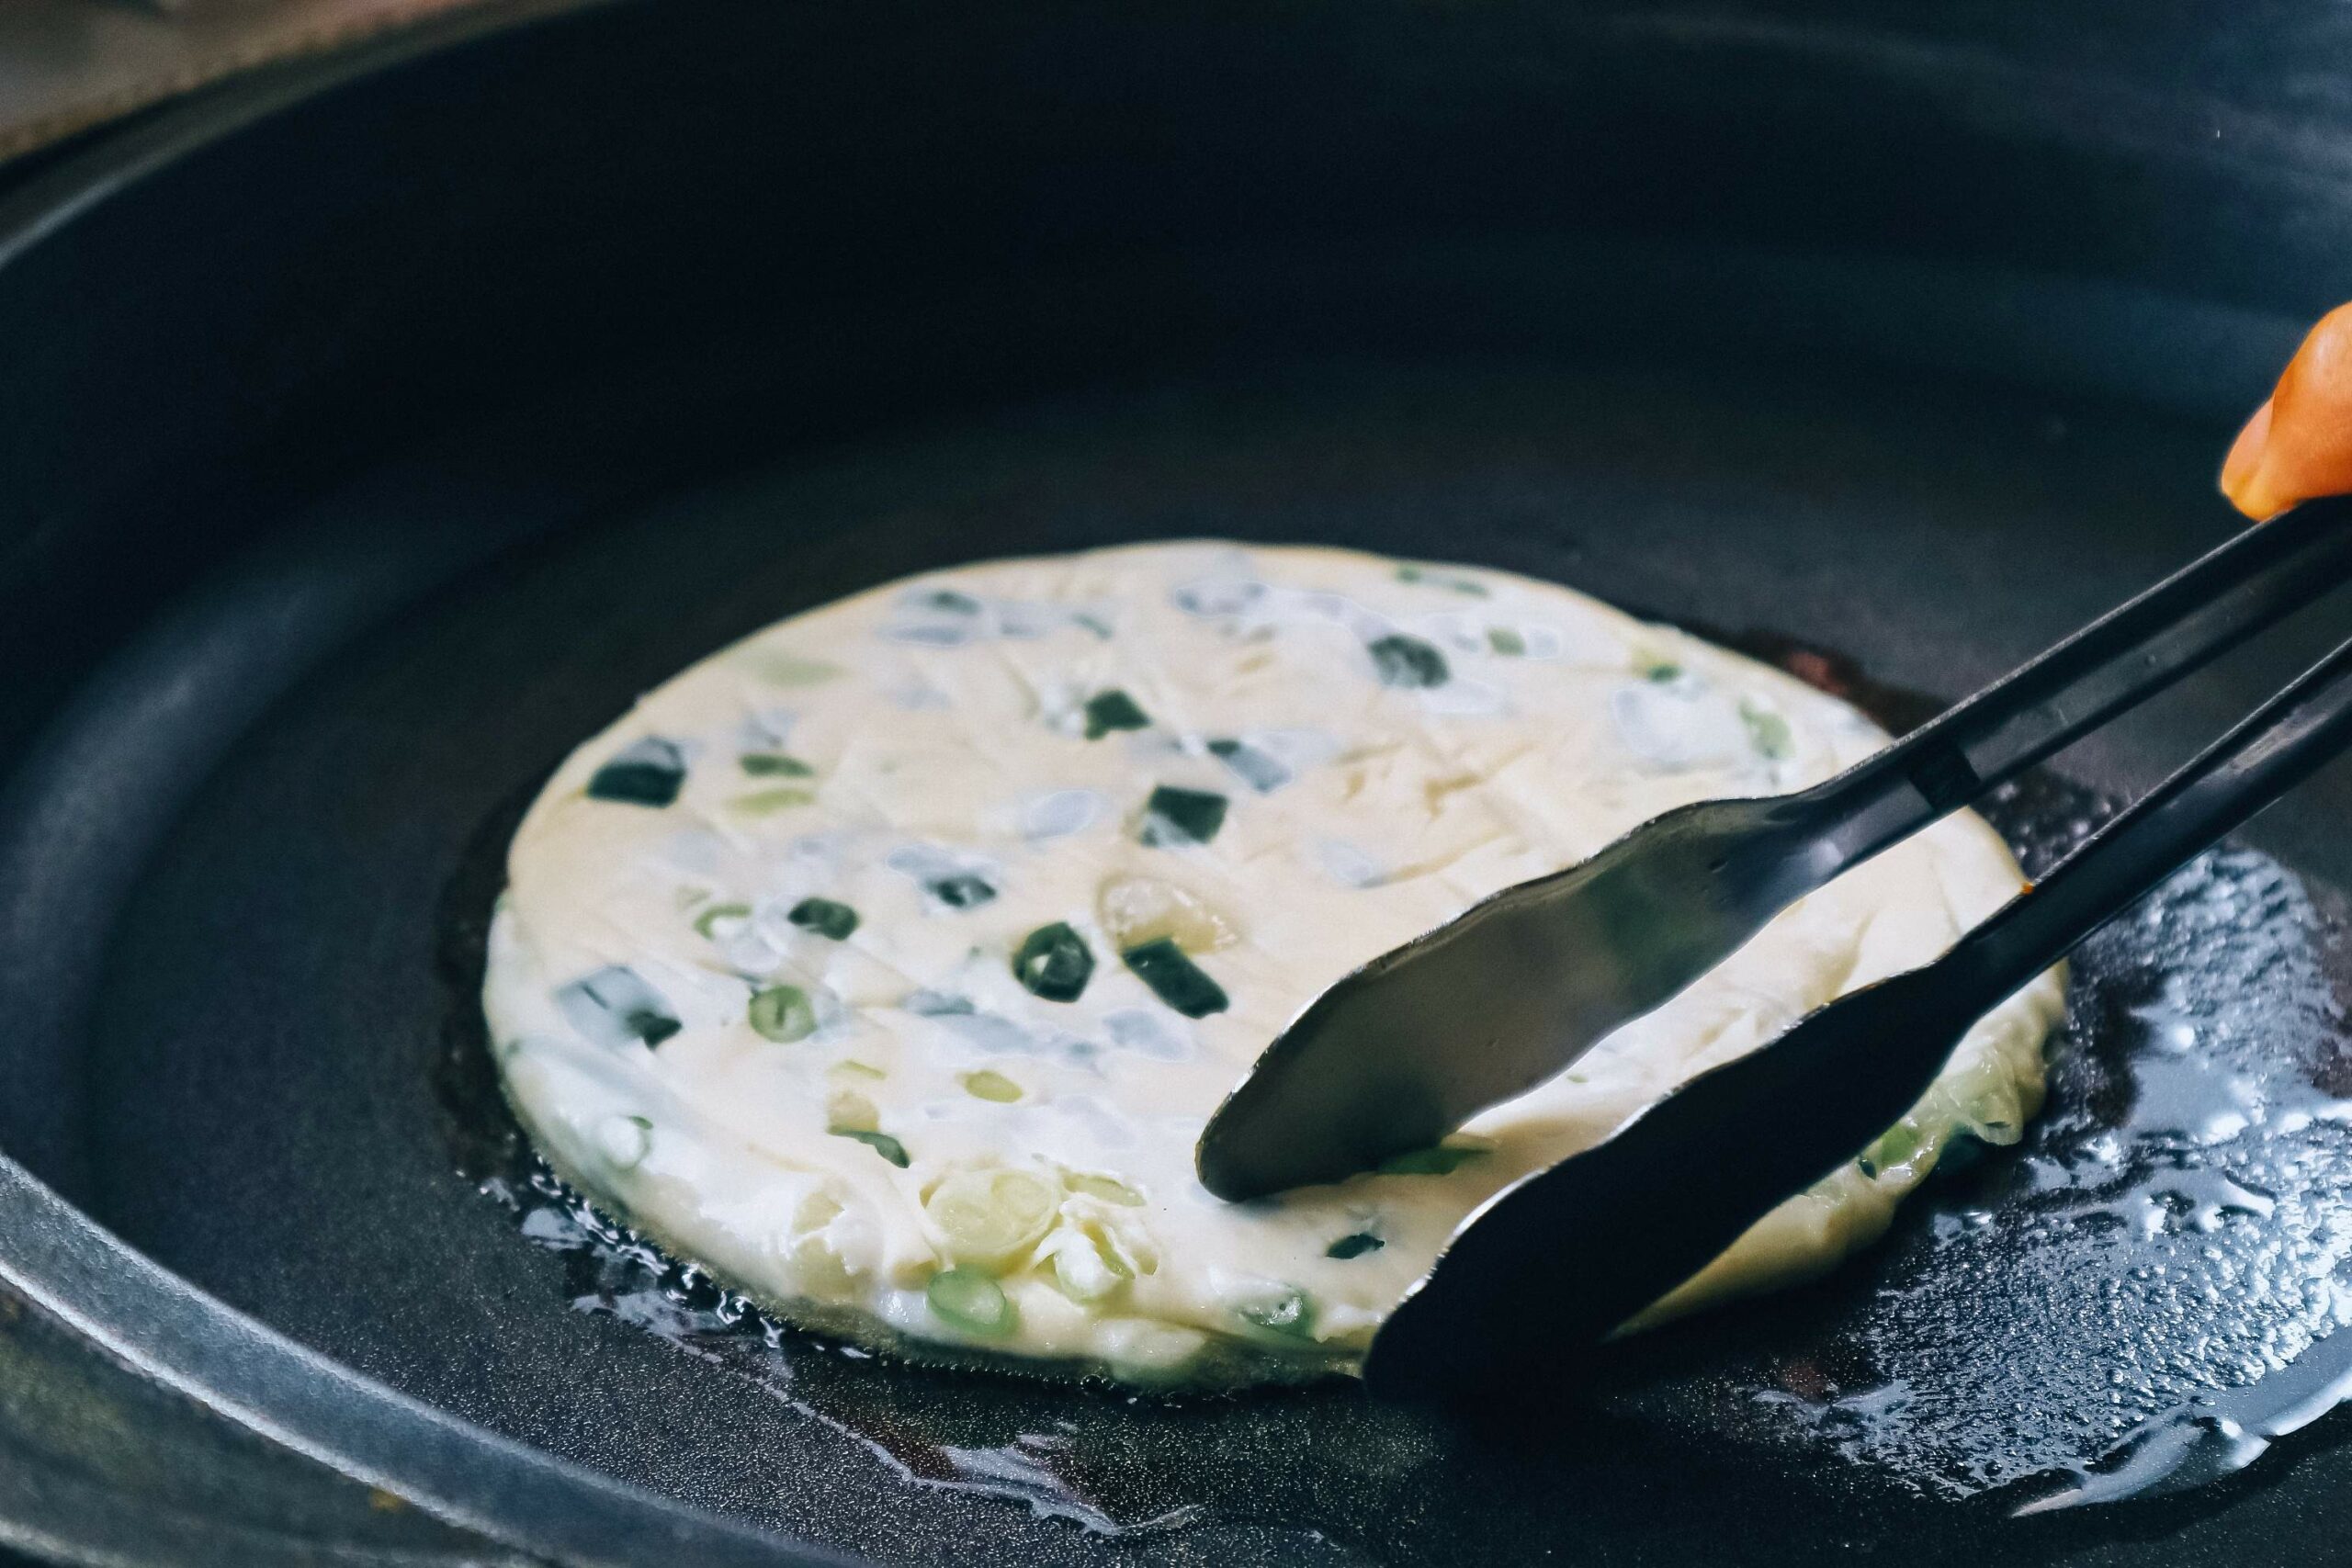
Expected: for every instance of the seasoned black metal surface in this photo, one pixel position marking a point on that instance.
(282, 991)
(2191, 1161)
(333, 518)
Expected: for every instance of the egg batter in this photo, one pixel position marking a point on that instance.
(888, 963)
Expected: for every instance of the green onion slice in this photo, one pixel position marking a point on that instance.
(646, 773)
(991, 1085)
(774, 764)
(1175, 979)
(1410, 573)
(783, 1013)
(1402, 660)
(711, 918)
(961, 891)
(766, 802)
(971, 1300)
(1291, 1313)
(1085, 1268)
(1898, 1144)
(824, 917)
(1768, 732)
(990, 1216)
(882, 1143)
(1103, 1188)
(1260, 771)
(1053, 962)
(615, 1006)
(1174, 816)
(1114, 709)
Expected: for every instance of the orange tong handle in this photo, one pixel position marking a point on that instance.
(2298, 445)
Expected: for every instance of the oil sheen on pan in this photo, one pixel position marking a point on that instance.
(2193, 1151)
(888, 963)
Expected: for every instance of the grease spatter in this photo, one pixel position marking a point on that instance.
(2152, 1288)
(613, 1271)
(2141, 1296)
(1846, 1421)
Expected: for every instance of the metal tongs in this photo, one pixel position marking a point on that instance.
(1406, 1048)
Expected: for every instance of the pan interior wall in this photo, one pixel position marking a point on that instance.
(279, 1100)
(1906, 346)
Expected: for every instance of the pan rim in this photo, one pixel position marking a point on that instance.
(83, 180)
(120, 1307)
(64, 1263)
(125, 1307)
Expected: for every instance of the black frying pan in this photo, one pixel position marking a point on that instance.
(369, 434)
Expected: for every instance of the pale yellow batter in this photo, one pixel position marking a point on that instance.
(889, 962)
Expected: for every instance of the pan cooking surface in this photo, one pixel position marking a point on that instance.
(2188, 1165)
(281, 1101)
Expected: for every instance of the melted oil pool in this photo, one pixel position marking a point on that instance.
(2143, 1295)
(2138, 1298)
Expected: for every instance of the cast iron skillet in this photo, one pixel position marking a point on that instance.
(370, 434)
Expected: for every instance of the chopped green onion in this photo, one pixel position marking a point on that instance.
(990, 1216)
(1258, 770)
(774, 764)
(1053, 962)
(1175, 816)
(1768, 732)
(1114, 709)
(971, 1300)
(1440, 1159)
(625, 1141)
(778, 667)
(783, 1013)
(1290, 1313)
(1505, 641)
(825, 918)
(882, 1143)
(1994, 1113)
(846, 1111)
(1898, 1144)
(936, 1004)
(761, 802)
(1085, 1269)
(949, 600)
(1138, 910)
(1410, 574)
(1354, 1246)
(992, 1085)
(1664, 671)
(1401, 660)
(647, 772)
(710, 918)
(859, 1069)
(1175, 979)
(615, 1006)
(1104, 1188)
(961, 891)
